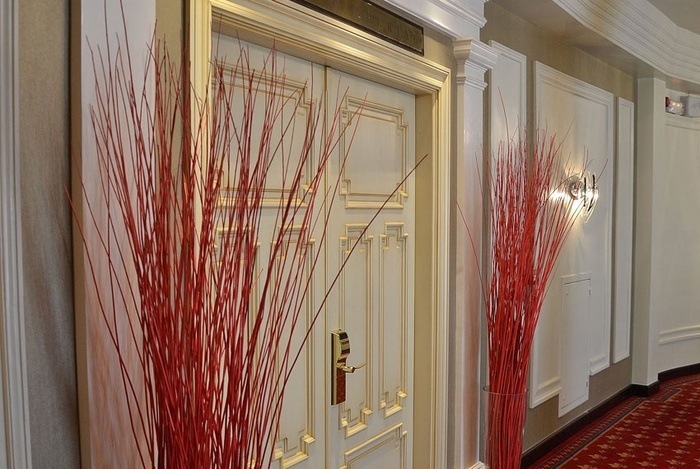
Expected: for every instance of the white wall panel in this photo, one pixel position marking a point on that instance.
(676, 250)
(624, 209)
(581, 117)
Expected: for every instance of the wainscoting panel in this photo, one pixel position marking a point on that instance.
(674, 258)
(581, 117)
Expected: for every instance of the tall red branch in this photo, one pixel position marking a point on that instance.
(530, 218)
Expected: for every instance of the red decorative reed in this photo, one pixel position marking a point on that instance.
(531, 216)
(216, 329)
(214, 362)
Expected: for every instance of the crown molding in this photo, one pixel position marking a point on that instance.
(643, 31)
(476, 55)
(314, 36)
(455, 19)
(475, 52)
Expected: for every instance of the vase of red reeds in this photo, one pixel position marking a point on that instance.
(530, 218)
(504, 418)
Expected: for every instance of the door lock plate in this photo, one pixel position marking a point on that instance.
(340, 349)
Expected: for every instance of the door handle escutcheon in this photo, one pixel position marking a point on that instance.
(340, 349)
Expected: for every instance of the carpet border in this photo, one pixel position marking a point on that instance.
(540, 450)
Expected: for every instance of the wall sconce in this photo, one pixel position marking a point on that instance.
(584, 187)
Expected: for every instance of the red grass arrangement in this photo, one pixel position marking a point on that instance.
(531, 216)
(216, 328)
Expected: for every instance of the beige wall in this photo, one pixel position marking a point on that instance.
(538, 45)
(46, 225)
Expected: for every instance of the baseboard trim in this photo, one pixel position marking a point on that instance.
(540, 450)
(645, 390)
(679, 372)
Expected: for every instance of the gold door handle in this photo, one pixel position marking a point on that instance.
(349, 369)
(340, 349)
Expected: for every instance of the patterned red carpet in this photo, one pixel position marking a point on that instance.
(662, 431)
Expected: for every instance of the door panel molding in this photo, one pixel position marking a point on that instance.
(355, 283)
(393, 262)
(361, 191)
(298, 431)
(301, 100)
(392, 443)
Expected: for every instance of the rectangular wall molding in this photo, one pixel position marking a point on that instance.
(545, 391)
(580, 117)
(674, 266)
(624, 209)
(679, 334)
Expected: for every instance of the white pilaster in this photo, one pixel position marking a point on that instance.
(650, 104)
(16, 450)
(474, 58)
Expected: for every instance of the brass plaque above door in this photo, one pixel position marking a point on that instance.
(373, 19)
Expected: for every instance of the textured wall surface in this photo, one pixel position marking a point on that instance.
(46, 226)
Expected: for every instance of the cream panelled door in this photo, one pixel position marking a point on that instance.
(373, 301)
(373, 298)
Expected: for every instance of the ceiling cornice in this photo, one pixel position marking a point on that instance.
(643, 31)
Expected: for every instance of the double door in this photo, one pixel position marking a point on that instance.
(371, 297)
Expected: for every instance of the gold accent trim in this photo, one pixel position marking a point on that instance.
(395, 435)
(354, 424)
(376, 200)
(393, 405)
